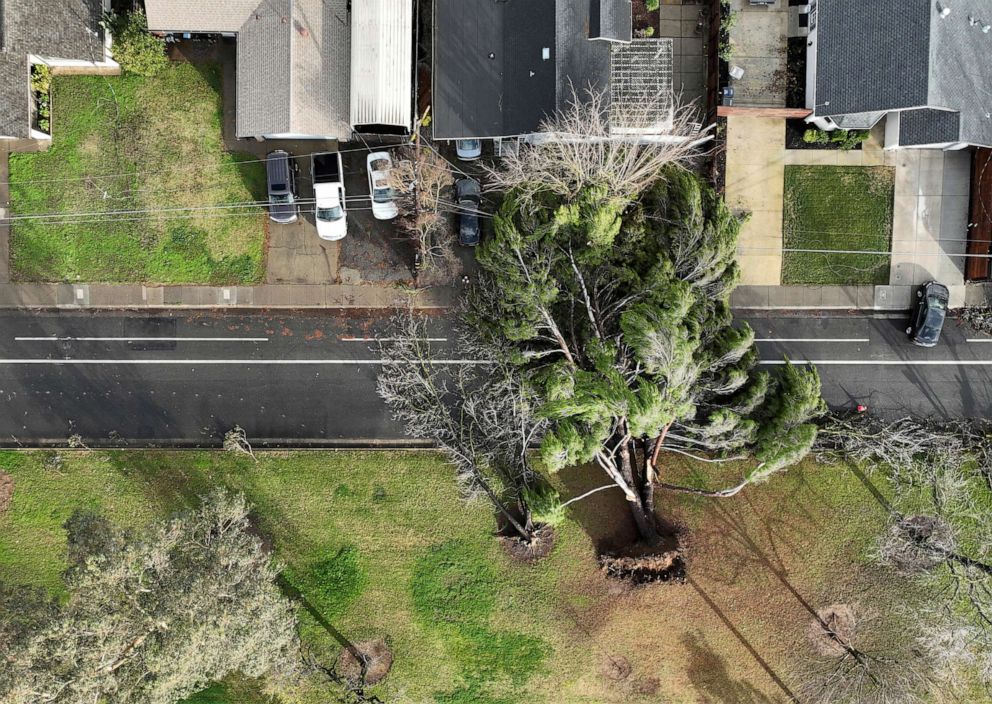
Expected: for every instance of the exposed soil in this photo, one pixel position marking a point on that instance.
(6, 491)
(795, 70)
(668, 566)
(840, 623)
(718, 157)
(534, 551)
(378, 661)
(615, 668)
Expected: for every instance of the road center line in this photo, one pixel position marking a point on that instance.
(885, 362)
(140, 339)
(243, 362)
(811, 339)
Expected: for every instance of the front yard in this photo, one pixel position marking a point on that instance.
(129, 149)
(380, 546)
(837, 208)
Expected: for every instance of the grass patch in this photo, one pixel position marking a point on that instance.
(380, 545)
(837, 208)
(130, 143)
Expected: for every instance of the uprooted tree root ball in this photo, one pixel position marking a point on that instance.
(538, 548)
(668, 566)
(378, 660)
(832, 629)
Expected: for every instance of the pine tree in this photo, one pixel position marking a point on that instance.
(619, 315)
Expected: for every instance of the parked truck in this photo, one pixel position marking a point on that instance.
(329, 195)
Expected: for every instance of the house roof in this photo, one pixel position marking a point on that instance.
(55, 29)
(611, 20)
(641, 87)
(494, 66)
(928, 126)
(907, 54)
(382, 63)
(198, 15)
(293, 65)
(500, 68)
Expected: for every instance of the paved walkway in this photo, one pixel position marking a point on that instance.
(266, 296)
(758, 45)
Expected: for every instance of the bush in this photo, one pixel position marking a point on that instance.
(845, 139)
(134, 48)
(652, 5)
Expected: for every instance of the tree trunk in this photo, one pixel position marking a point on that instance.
(643, 517)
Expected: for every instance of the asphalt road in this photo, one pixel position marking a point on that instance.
(310, 379)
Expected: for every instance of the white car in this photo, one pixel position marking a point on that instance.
(327, 174)
(380, 192)
(468, 149)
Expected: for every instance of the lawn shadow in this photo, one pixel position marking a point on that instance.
(604, 516)
(708, 674)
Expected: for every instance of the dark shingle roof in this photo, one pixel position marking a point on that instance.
(490, 75)
(928, 127)
(58, 29)
(904, 54)
(502, 66)
(871, 55)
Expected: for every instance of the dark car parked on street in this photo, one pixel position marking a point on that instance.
(468, 193)
(281, 173)
(928, 316)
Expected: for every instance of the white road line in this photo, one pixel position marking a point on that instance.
(141, 339)
(388, 339)
(979, 339)
(244, 362)
(886, 362)
(811, 339)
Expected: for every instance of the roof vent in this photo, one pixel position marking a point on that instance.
(546, 53)
(945, 12)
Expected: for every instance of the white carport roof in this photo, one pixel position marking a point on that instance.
(382, 62)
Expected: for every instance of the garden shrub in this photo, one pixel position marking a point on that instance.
(134, 47)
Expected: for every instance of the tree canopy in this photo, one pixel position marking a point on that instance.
(618, 313)
(152, 618)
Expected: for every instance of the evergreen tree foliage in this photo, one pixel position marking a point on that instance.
(619, 315)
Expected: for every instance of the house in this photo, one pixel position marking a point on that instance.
(500, 68)
(64, 34)
(924, 65)
(308, 69)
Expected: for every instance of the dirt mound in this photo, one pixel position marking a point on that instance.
(615, 668)
(833, 627)
(668, 566)
(534, 551)
(6, 491)
(378, 661)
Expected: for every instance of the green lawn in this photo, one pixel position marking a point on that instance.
(131, 143)
(837, 208)
(380, 546)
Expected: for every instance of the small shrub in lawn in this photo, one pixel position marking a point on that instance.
(135, 48)
(454, 583)
(652, 5)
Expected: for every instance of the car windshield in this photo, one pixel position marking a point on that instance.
(382, 195)
(282, 197)
(936, 302)
(380, 164)
(470, 145)
(334, 213)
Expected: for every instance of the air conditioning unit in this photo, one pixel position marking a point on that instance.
(799, 20)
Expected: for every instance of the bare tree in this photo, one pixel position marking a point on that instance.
(856, 661)
(478, 412)
(592, 143)
(419, 179)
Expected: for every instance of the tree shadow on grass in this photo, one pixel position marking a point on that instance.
(708, 674)
(604, 516)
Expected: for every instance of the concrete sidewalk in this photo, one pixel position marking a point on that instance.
(864, 298)
(294, 296)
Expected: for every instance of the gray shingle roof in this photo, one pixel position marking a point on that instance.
(928, 126)
(55, 29)
(905, 54)
(871, 55)
(294, 69)
(207, 16)
(610, 19)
